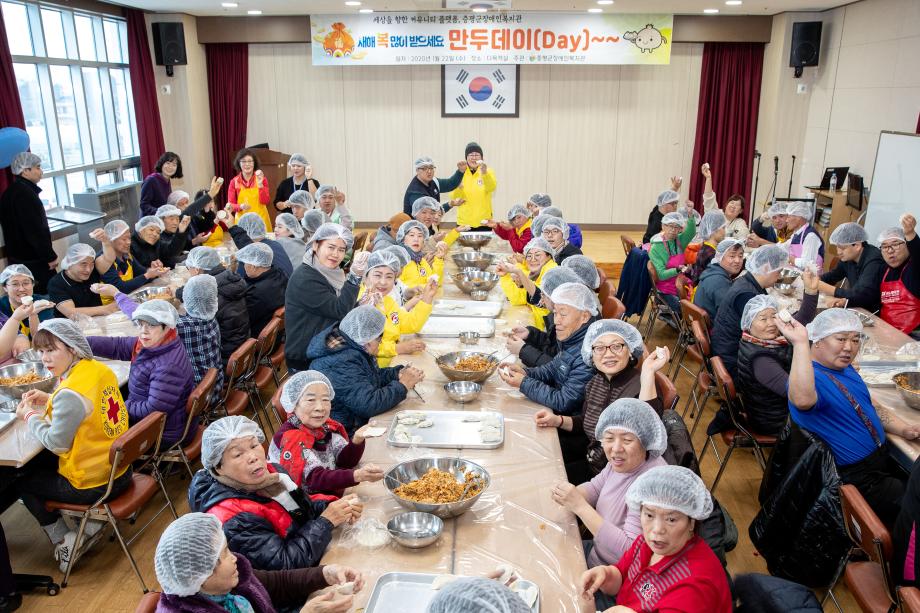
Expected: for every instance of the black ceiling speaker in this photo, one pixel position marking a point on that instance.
(169, 45)
(806, 45)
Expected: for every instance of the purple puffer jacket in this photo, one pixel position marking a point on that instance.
(248, 586)
(161, 379)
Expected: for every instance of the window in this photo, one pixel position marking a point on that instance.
(71, 69)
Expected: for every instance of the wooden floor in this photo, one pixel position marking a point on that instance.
(103, 580)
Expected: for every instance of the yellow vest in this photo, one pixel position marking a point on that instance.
(398, 321)
(126, 276)
(86, 463)
(416, 275)
(520, 231)
(477, 190)
(518, 295)
(250, 196)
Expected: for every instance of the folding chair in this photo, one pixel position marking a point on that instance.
(657, 302)
(198, 404)
(704, 381)
(628, 244)
(125, 450)
(909, 597)
(666, 391)
(612, 308)
(240, 368)
(265, 374)
(688, 312)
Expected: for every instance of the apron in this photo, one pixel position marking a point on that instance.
(250, 196)
(127, 275)
(217, 237)
(669, 286)
(900, 308)
(795, 248)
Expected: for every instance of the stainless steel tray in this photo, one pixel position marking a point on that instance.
(449, 431)
(7, 420)
(466, 308)
(870, 371)
(408, 593)
(451, 327)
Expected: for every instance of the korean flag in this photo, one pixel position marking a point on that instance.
(480, 89)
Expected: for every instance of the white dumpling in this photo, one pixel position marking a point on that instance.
(442, 580)
(527, 591)
(427, 423)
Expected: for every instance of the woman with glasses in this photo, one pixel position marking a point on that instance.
(248, 190)
(18, 283)
(520, 281)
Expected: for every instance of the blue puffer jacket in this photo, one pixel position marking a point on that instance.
(560, 384)
(362, 389)
(259, 528)
(575, 234)
(160, 379)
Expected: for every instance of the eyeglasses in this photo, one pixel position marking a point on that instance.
(614, 348)
(891, 247)
(22, 285)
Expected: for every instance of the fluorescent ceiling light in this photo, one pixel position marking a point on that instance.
(229, 5)
(710, 11)
(366, 10)
(254, 12)
(605, 2)
(352, 3)
(595, 10)
(733, 2)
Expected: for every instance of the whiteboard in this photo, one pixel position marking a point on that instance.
(894, 181)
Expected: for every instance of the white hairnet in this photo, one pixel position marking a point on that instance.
(312, 220)
(332, 231)
(288, 221)
(425, 202)
(115, 228)
(892, 233)
(627, 332)
(536, 227)
(517, 209)
(575, 295)
(778, 208)
(168, 210)
(541, 200)
(671, 487)
(156, 312)
(200, 296)
(636, 416)
(401, 253)
(13, 270)
(554, 277)
(553, 211)
(301, 198)
(363, 324)
(585, 269)
(188, 553)
(298, 158)
(754, 306)
(203, 258)
(322, 190)
(68, 333)
(711, 222)
(175, 198)
(848, 233)
(767, 259)
(667, 197)
(386, 259)
(408, 225)
(725, 245)
(253, 225)
(832, 321)
(538, 242)
(477, 595)
(24, 161)
(77, 252)
(554, 222)
(218, 436)
(147, 221)
(800, 209)
(423, 162)
(674, 218)
(256, 254)
(296, 385)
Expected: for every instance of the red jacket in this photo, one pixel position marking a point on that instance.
(511, 235)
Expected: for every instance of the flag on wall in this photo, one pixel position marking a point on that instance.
(479, 90)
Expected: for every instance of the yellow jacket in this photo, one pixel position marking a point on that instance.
(416, 275)
(518, 295)
(450, 238)
(477, 190)
(399, 321)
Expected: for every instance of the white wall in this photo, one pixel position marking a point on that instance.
(588, 135)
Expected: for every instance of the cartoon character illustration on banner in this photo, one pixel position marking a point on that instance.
(339, 42)
(647, 39)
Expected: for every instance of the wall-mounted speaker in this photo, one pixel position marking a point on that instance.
(169, 45)
(806, 45)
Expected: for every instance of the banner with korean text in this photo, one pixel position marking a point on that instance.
(500, 38)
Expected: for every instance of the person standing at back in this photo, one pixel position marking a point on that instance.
(475, 190)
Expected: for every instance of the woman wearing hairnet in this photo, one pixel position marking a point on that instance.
(520, 281)
(829, 398)
(249, 229)
(174, 238)
(574, 237)
(862, 266)
(248, 190)
(313, 448)
(668, 567)
(477, 595)
(556, 232)
(161, 376)
(18, 283)
(346, 354)
(805, 245)
(264, 515)
(331, 201)
(667, 256)
(199, 573)
(301, 179)
(70, 289)
(427, 211)
(319, 293)
(516, 230)
(726, 265)
(145, 241)
(77, 422)
(710, 232)
(116, 264)
(736, 227)
(267, 284)
(310, 222)
(421, 268)
(289, 234)
(299, 203)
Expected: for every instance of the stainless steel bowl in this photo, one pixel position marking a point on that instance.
(407, 472)
(787, 276)
(17, 370)
(470, 279)
(785, 289)
(908, 384)
(473, 259)
(469, 338)
(463, 391)
(415, 529)
(474, 240)
(447, 361)
(479, 295)
(30, 355)
(151, 293)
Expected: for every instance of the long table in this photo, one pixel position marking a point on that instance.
(514, 521)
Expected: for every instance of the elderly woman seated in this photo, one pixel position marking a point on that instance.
(517, 229)
(310, 222)
(174, 238)
(668, 567)
(146, 247)
(520, 281)
(267, 284)
(265, 516)
(667, 255)
(612, 350)
(289, 234)
(347, 354)
(711, 231)
(427, 211)
(419, 270)
(251, 229)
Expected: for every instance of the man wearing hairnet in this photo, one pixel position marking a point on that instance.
(805, 245)
(331, 201)
(251, 229)
(26, 236)
(267, 285)
(301, 179)
(861, 265)
(116, 264)
(770, 227)
(665, 203)
(829, 398)
(575, 237)
(424, 183)
(726, 265)
(70, 288)
(900, 286)
(532, 345)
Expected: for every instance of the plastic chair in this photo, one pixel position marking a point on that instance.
(265, 374)
(612, 308)
(666, 391)
(125, 450)
(148, 603)
(360, 239)
(688, 312)
(909, 598)
(628, 244)
(240, 367)
(198, 404)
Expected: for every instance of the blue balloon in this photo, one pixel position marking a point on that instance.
(13, 141)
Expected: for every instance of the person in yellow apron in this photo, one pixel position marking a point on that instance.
(116, 264)
(249, 188)
(475, 189)
(520, 281)
(78, 422)
(18, 283)
(428, 211)
(420, 269)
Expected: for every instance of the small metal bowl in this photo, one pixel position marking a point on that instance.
(46, 384)
(30, 355)
(415, 529)
(470, 279)
(473, 259)
(469, 338)
(475, 240)
(787, 276)
(479, 295)
(786, 289)
(463, 391)
(908, 384)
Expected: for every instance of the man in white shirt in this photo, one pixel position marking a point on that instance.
(805, 244)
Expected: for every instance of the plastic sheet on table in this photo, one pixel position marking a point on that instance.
(909, 350)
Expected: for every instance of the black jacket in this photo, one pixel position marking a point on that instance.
(311, 305)
(25, 227)
(560, 384)
(726, 328)
(264, 296)
(864, 279)
(654, 225)
(142, 251)
(567, 250)
(540, 347)
(286, 188)
(417, 189)
(170, 247)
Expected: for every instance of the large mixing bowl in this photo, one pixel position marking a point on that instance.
(415, 529)
(909, 387)
(447, 364)
(786, 289)
(787, 276)
(476, 240)
(46, 384)
(472, 279)
(473, 259)
(407, 472)
(30, 355)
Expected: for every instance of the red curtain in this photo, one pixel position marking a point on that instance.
(726, 124)
(10, 106)
(144, 90)
(228, 98)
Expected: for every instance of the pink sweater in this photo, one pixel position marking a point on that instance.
(607, 494)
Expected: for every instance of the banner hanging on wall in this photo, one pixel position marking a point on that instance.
(387, 39)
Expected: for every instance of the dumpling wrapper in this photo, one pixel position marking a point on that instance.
(490, 435)
(527, 591)
(346, 588)
(507, 573)
(473, 417)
